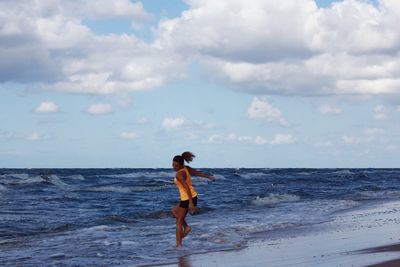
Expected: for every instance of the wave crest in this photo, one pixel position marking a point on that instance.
(274, 199)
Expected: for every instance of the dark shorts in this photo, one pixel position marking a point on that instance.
(185, 203)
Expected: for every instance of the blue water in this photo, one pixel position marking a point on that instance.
(121, 217)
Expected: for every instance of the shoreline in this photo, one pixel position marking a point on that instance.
(388, 248)
(367, 235)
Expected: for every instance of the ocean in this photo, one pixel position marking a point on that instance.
(121, 217)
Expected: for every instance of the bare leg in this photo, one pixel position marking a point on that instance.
(174, 210)
(186, 227)
(180, 217)
(187, 230)
(179, 232)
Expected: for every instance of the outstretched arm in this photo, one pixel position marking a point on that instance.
(195, 172)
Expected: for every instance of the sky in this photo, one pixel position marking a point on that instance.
(265, 84)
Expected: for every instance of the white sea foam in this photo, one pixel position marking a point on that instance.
(26, 179)
(54, 179)
(18, 175)
(128, 242)
(105, 228)
(379, 194)
(110, 188)
(252, 175)
(75, 177)
(98, 228)
(274, 199)
(108, 243)
(199, 181)
(143, 174)
(21, 179)
(304, 173)
(246, 228)
(167, 181)
(343, 172)
(330, 206)
(219, 177)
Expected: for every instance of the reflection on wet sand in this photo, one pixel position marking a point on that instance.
(184, 262)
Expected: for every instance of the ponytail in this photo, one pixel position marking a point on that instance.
(186, 156)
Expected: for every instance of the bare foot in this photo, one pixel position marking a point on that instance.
(187, 231)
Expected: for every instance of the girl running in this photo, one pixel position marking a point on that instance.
(187, 193)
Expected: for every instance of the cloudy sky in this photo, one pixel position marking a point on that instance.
(251, 83)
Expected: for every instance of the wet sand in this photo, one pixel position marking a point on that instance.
(388, 248)
(366, 236)
(393, 263)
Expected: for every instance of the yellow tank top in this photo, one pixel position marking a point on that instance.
(181, 188)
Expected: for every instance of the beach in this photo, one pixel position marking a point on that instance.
(364, 236)
(199, 133)
(248, 217)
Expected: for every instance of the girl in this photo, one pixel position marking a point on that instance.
(187, 193)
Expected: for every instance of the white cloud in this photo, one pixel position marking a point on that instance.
(245, 138)
(282, 139)
(260, 108)
(357, 140)
(203, 124)
(216, 138)
(100, 9)
(267, 47)
(232, 137)
(240, 30)
(35, 136)
(374, 131)
(129, 135)
(327, 109)
(369, 135)
(134, 66)
(47, 42)
(260, 140)
(47, 107)
(99, 109)
(170, 124)
(278, 139)
(380, 112)
(292, 47)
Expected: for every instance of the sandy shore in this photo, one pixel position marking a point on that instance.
(366, 236)
(388, 248)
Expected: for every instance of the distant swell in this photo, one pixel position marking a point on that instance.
(142, 174)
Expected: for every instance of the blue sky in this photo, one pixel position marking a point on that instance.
(239, 84)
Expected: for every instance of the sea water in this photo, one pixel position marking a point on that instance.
(122, 217)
